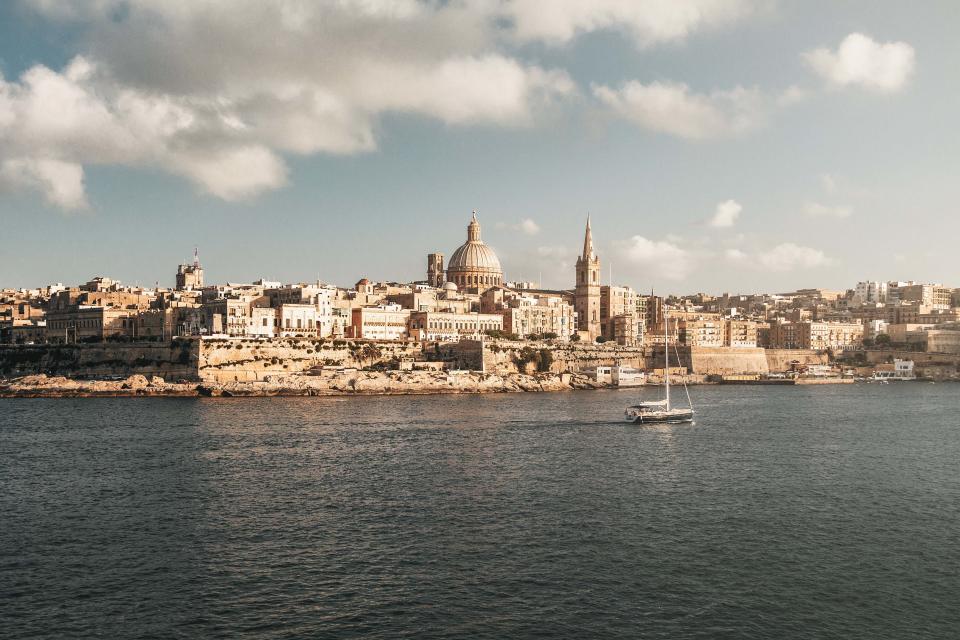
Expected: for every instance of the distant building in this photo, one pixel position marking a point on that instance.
(587, 292)
(740, 333)
(619, 317)
(442, 327)
(384, 322)
(935, 296)
(528, 312)
(870, 292)
(819, 336)
(435, 270)
(701, 333)
(190, 276)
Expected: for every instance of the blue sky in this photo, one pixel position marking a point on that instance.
(719, 146)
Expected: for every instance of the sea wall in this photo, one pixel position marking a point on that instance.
(173, 360)
(713, 360)
(506, 356)
(780, 360)
(251, 360)
(211, 360)
(734, 360)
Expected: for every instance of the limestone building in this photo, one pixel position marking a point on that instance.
(435, 270)
(474, 265)
(190, 276)
(587, 293)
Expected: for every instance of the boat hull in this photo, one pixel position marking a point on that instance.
(675, 416)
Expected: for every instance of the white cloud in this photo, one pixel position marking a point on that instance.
(726, 214)
(828, 182)
(792, 95)
(661, 258)
(557, 252)
(789, 256)
(646, 22)
(862, 61)
(824, 210)
(221, 91)
(735, 255)
(526, 225)
(672, 108)
(61, 183)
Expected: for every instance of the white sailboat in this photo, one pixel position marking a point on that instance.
(660, 411)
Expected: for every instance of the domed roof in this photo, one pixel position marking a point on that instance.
(474, 255)
(449, 286)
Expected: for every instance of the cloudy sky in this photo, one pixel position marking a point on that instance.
(720, 145)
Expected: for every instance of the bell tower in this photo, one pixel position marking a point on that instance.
(435, 270)
(587, 292)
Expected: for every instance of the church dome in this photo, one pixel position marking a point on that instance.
(474, 264)
(474, 255)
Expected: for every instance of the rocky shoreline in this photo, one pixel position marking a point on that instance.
(355, 383)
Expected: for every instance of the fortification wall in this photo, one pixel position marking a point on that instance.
(504, 356)
(251, 360)
(727, 360)
(878, 356)
(779, 360)
(170, 360)
(733, 360)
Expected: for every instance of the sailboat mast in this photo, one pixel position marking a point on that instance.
(666, 357)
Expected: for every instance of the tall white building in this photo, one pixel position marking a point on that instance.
(868, 292)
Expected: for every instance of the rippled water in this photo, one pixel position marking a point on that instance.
(828, 512)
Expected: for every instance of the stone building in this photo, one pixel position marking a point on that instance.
(819, 336)
(435, 270)
(444, 327)
(84, 323)
(384, 322)
(532, 311)
(474, 265)
(190, 276)
(619, 319)
(587, 292)
(707, 332)
(740, 333)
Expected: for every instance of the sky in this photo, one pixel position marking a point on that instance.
(718, 145)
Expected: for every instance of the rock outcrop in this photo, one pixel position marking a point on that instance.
(348, 382)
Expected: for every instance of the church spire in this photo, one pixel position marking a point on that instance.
(588, 242)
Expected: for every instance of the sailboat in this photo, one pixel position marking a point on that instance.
(660, 411)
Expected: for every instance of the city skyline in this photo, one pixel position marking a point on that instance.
(169, 280)
(754, 147)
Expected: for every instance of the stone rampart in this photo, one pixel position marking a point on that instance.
(779, 360)
(172, 360)
(251, 360)
(504, 356)
(727, 360)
